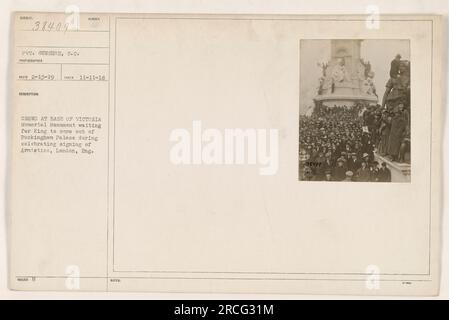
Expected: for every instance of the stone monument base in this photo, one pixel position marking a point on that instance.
(400, 172)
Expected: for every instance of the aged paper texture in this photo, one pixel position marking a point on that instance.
(225, 153)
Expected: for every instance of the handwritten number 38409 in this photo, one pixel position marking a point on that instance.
(50, 26)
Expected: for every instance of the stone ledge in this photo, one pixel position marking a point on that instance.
(400, 172)
(325, 97)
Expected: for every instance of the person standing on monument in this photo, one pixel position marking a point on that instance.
(384, 133)
(404, 113)
(395, 66)
(397, 133)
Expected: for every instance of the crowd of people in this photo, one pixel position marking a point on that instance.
(338, 143)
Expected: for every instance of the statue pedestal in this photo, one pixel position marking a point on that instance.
(400, 172)
(346, 80)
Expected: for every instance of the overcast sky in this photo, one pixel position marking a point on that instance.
(378, 52)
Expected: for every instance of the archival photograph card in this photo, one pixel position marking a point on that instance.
(293, 154)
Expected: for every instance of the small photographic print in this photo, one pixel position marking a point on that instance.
(354, 117)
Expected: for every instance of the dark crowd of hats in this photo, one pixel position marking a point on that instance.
(338, 143)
